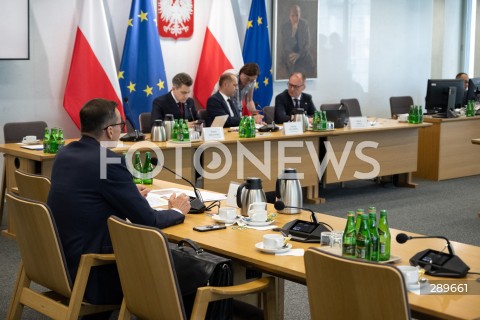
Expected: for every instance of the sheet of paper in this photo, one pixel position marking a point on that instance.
(156, 200)
(33, 146)
(207, 196)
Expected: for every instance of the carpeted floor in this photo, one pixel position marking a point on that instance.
(448, 208)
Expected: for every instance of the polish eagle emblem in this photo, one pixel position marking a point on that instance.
(175, 18)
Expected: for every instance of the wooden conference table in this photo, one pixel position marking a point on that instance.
(239, 245)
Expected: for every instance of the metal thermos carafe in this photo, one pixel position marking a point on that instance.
(298, 115)
(249, 192)
(289, 190)
(168, 123)
(158, 132)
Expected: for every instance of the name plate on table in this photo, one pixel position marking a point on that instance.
(291, 128)
(213, 134)
(357, 122)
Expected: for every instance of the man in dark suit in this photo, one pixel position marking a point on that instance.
(177, 101)
(90, 183)
(293, 97)
(221, 104)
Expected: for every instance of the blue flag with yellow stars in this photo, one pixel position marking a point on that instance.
(142, 72)
(256, 48)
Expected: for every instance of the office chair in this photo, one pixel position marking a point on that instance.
(400, 105)
(269, 114)
(202, 114)
(342, 288)
(43, 262)
(145, 120)
(14, 132)
(149, 283)
(353, 107)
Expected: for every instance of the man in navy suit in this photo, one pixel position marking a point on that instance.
(177, 101)
(90, 183)
(221, 104)
(293, 97)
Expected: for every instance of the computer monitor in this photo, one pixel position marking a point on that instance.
(444, 94)
(473, 89)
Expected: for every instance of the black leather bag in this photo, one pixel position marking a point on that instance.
(197, 268)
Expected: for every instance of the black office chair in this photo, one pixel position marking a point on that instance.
(352, 106)
(399, 105)
(145, 119)
(14, 132)
(269, 114)
(330, 106)
(202, 114)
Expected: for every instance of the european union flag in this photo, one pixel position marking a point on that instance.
(142, 72)
(256, 48)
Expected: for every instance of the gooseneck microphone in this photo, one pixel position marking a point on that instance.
(196, 204)
(136, 135)
(280, 205)
(402, 238)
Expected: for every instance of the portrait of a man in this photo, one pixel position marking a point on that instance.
(295, 35)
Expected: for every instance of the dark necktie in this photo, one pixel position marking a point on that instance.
(231, 106)
(181, 106)
(297, 103)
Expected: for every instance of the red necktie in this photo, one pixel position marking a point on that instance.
(182, 109)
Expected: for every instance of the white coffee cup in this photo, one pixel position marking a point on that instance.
(259, 215)
(273, 241)
(410, 273)
(257, 206)
(227, 213)
(29, 139)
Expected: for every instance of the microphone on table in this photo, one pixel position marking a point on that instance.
(196, 204)
(280, 205)
(136, 135)
(437, 263)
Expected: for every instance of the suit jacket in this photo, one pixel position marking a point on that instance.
(217, 106)
(166, 105)
(81, 203)
(284, 106)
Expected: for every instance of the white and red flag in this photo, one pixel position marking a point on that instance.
(92, 70)
(221, 50)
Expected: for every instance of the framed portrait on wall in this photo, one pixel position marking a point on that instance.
(295, 38)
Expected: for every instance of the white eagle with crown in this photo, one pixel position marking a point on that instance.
(177, 13)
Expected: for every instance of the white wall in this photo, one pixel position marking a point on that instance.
(384, 48)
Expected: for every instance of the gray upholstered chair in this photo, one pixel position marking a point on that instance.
(352, 106)
(269, 114)
(145, 119)
(399, 105)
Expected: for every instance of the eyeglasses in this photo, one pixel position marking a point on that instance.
(122, 124)
(294, 86)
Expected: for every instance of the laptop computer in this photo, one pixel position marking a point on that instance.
(219, 121)
(338, 117)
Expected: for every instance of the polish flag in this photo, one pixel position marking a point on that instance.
(221, 50)
(92, 71)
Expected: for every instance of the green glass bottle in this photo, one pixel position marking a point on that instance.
(138, 171)
(175, 130)
(363, 239)
(46, 137)
(60, 139)
(316, 121)
(147, 170)
(186, 131)
(52, 142)
(323, 120)
(349, 236)
(248, 130)
(180, 136)
(358, 219)
(419, 114)
(241, 128)
(374, 244)
(252, 127)
(384, 236)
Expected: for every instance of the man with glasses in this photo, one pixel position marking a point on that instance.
(90, 183)
(221, 102)
(177, 101)
(293, 97)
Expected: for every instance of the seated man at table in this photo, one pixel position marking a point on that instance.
(177, 101)
(90, 183)
(293, 97)
(220, 104)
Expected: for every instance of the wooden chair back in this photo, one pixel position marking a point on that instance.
(32, 186)
(146, 272)
(400, 105)
(341, 288)
(39, 245)
(353, 107)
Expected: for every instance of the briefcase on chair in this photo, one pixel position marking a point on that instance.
(197, 268)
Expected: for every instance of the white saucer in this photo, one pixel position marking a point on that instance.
(30, 143)
(257, 223)
(260, 247)
(417, 286)
(217, 218)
